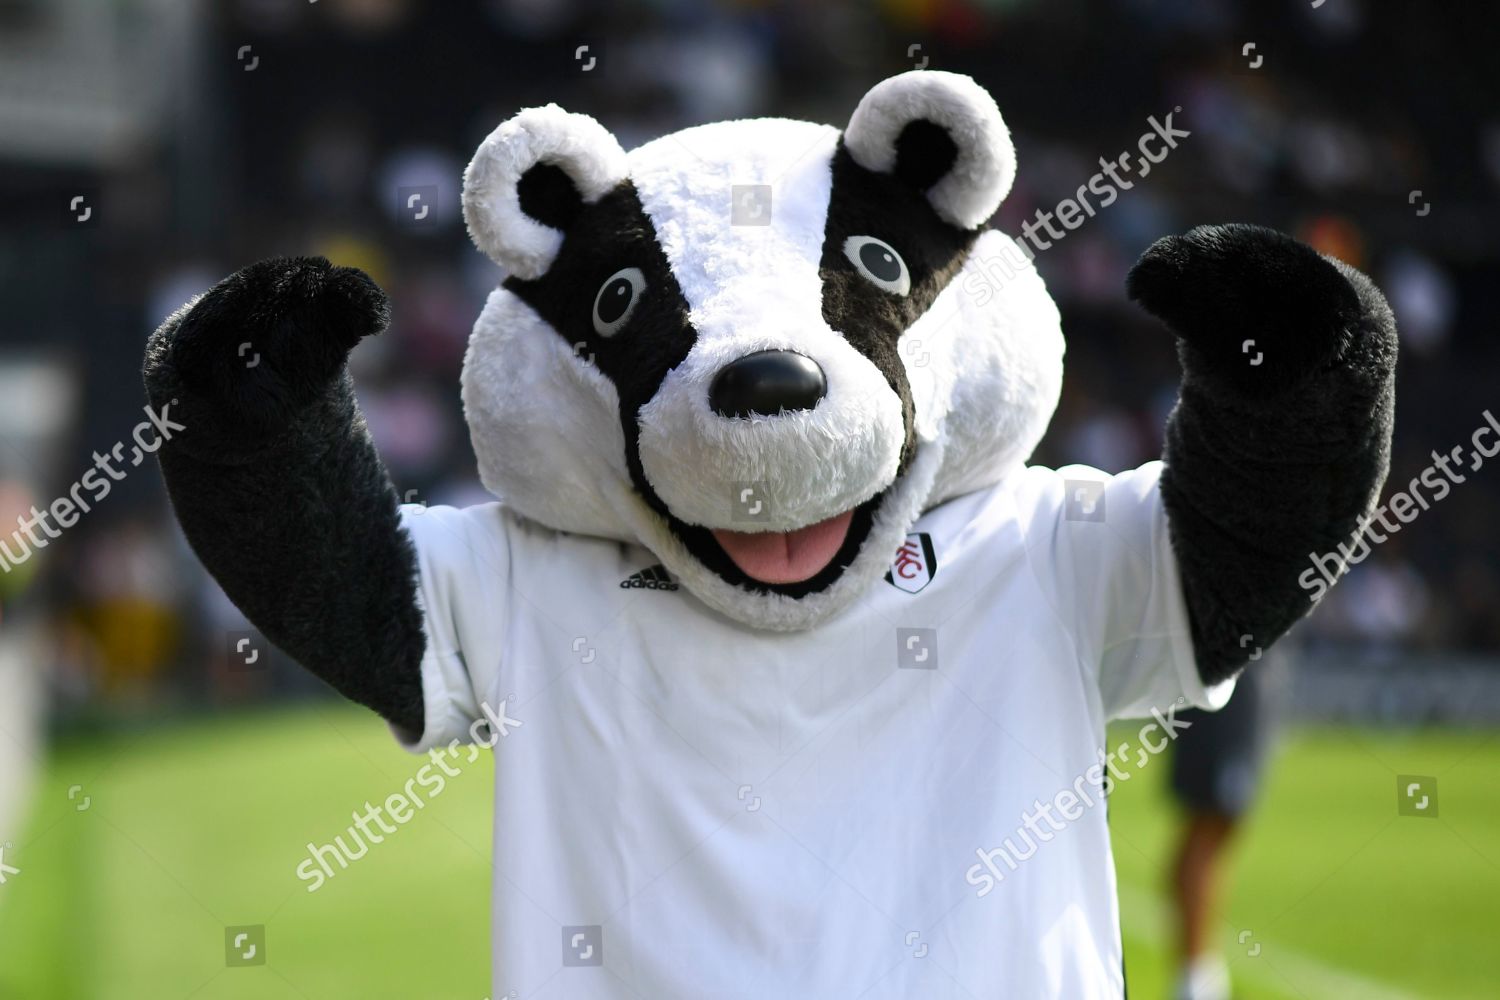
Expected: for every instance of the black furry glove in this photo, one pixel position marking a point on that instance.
(1280, 440)
(276, 483)
(260, 347)
(1255, 309)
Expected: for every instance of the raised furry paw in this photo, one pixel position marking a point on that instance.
(270, 338)
(1262, 310)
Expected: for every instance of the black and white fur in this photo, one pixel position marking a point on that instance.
(609, 431)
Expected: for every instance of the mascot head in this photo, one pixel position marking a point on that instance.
(758, 348)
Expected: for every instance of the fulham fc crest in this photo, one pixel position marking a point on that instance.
(915, 565)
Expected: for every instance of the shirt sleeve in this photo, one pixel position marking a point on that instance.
(463, 565)
(1101, 547)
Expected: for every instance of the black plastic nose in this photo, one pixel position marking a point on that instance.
(767, 382)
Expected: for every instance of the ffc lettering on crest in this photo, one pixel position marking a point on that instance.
(914, 565)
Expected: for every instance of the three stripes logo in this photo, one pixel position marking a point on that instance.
(650, 578)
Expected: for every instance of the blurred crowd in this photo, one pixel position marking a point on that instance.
(290, 128)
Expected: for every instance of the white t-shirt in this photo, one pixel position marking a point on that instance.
(690, 808)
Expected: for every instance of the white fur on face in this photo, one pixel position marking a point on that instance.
(545, 424)
(985, 365)
(754, 287)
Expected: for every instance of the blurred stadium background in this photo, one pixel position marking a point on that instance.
(155, 790)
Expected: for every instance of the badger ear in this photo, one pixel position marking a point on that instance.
(529, 180)
(942, 134)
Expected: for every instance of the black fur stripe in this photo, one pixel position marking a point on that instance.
(896, 211)
(604, 238)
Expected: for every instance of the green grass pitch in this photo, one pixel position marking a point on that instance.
(197, 827)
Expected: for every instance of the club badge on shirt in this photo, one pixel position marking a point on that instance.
(915, 564)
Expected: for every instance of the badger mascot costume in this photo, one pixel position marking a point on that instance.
(802, 671)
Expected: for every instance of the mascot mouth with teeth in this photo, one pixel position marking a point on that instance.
(791, 632)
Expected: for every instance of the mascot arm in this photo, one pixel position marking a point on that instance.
(276, 483)
(1280, 440)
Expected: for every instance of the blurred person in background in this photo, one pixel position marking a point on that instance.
(1216, 771)
(129, 607)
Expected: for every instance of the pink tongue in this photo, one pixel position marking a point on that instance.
(785, 556)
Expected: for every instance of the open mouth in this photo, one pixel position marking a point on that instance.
(794, 563)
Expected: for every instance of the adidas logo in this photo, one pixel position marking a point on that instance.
(650, 578)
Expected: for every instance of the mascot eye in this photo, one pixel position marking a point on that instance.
(879, 263)
(617, 299)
